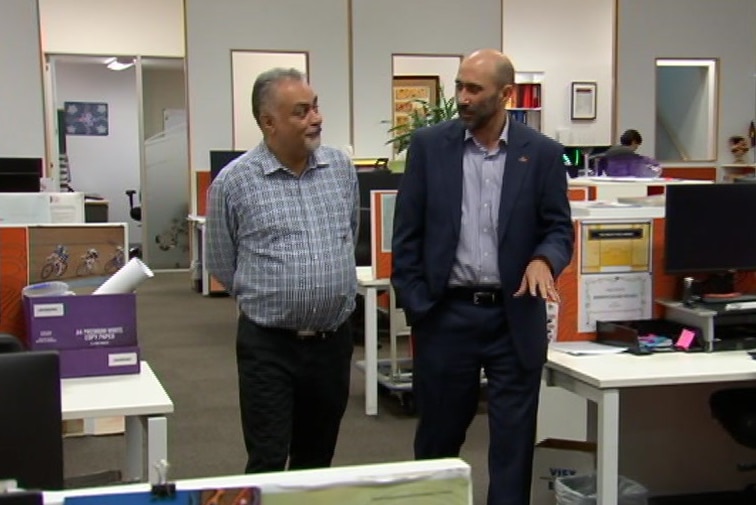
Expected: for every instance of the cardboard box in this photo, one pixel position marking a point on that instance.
(558, 458)
(94, 334)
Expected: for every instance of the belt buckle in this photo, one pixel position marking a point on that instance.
(311, 334)
(480, 297)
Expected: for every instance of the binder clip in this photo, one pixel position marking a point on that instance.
(162, 488)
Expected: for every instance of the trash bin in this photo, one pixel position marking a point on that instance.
(581, 490)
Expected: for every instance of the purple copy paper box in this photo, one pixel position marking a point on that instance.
(94, 334)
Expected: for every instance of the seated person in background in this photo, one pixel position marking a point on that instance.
(622, 160)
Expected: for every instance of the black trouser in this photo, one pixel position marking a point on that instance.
(452, 344)
(292, 392)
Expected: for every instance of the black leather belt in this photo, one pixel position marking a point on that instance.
(312, 334)
(476, 295)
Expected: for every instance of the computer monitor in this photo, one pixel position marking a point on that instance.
(219, 159)
(31, 438)
(709, 228)
(20, 175)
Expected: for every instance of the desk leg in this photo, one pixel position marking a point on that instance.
(203, 256)
(157, 446)
(134, 470)
(603, 428)
(371, 351)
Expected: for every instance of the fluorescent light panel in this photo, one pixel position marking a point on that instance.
(119, 64)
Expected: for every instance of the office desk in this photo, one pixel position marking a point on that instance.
(611, 188)
(438, 481)
(140, 398)
(601, 379)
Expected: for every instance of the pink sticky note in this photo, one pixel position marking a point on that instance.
(685, 339)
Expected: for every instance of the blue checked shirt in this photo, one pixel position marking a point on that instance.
(282, 244)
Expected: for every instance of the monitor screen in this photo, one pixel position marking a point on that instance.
(31, 438)
(219, 159)
(710, 228)
(20, 175)
(21, 166)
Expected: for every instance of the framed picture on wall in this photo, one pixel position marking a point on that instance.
(583, 103)
(409, 94)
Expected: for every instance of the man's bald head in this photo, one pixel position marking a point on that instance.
(493, 62)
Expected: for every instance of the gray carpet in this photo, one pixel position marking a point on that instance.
(188, 340)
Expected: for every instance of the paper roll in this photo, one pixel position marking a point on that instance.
(126, 279)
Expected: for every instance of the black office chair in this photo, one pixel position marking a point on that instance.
(134, 211)
(9, 343)
(735, 409)
(136, 214)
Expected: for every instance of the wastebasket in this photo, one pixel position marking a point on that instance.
(581, 490)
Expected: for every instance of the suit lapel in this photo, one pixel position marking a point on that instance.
(453, 151)
(519, 162)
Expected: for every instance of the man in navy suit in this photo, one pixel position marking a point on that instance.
(482, 228)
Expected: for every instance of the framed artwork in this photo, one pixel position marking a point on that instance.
(407, 90)
(583, 103)
(86, 118)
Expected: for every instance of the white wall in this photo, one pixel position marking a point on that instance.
(246, 66)
(214, 29)
(107, 165)
(572, 43)
(22, 131)
(388, 27)
(115, 27)
(161, 89)
(650, 29)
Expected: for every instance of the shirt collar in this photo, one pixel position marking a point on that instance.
(270, 163)
(504, 137)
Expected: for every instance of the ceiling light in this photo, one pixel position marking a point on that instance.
(119, 63)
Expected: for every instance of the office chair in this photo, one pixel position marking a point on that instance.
(31, 438)
(136, 215)
(735, 409)
(134, 212)
(9, 343)
(629, 165)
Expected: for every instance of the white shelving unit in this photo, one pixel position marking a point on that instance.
(527, 99)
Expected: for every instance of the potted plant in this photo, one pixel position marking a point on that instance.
(424, 114)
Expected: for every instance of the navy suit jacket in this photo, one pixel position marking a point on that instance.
(534, 221)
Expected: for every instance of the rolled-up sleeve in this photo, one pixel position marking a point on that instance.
(221, 232)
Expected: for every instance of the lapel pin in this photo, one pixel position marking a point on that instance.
(523, 159)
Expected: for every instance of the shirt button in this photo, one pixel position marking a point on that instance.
(485, 254)
(485, 230)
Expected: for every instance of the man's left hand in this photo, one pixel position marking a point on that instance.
(538, 281)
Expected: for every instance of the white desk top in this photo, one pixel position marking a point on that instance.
(628, 370)
(365, 278)
(645, 181)
(379, 475)
(115, 395)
